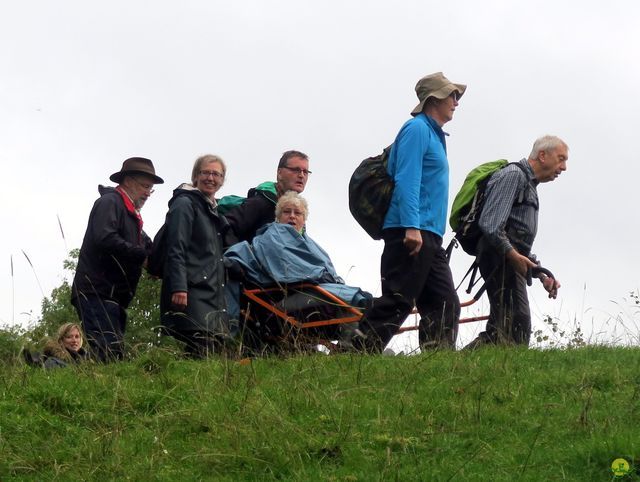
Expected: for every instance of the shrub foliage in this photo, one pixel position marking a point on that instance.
(56, 309)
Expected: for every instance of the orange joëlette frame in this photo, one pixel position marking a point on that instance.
(462, 320)
(256, 293)
(255, 296)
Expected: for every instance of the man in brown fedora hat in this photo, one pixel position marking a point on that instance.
(111, 257)
(414, 266)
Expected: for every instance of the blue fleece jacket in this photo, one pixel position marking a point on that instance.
(419, 166)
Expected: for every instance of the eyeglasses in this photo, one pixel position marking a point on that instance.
(295, 212)
(215, 174)
(145, 185)
(297, 170)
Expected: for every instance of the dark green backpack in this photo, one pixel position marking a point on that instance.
(227, 203)
(370, 191)
(468, 203)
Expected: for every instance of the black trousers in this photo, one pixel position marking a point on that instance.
(509, 317)
(423, 280)
(103, 322)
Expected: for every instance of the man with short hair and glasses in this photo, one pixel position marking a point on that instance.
(113, 252)
(259, 207)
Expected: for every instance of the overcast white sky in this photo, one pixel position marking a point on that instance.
(85, 85)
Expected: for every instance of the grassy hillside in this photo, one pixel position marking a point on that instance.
(494, 414)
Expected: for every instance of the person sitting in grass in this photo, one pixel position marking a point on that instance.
(65, 348)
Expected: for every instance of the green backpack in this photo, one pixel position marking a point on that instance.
(227, 203)
(468, 203)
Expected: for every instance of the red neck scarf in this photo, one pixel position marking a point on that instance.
(130, 207)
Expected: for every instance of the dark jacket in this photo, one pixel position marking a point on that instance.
(56, 355)
(257, 210)
(194, 264)
(112, 253)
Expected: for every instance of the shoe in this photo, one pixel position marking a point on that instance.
(363, 343)
(345, 337)
(340, 346)
(346, 331)
(359, 340)
(481, 340)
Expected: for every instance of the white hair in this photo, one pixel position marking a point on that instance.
(292, 198)
(546, 144)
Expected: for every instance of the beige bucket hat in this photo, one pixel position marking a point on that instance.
(435, 85)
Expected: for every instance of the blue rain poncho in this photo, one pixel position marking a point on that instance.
(280, 255)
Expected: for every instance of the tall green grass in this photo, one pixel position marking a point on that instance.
(494, 414)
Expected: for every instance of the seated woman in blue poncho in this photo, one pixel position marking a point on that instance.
(282, 253)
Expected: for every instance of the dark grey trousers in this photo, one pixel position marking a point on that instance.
(509, 317)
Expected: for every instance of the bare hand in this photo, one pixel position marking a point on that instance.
(552, 286)
(520, 263)
(179, 299)
(413, 240)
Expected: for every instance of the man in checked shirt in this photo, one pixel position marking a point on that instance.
(509, 222)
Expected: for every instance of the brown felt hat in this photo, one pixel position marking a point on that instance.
(435, 85)
(136, 165)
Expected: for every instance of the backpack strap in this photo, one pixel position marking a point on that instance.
(522, 193)
(452, 245)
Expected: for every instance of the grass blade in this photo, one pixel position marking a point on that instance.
(66, 249)
(34, 272)
(13, 293)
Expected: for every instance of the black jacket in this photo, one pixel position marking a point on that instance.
(194, 264)
(257, 210)
(112, 253)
